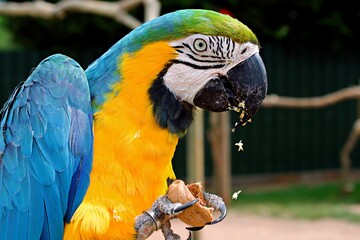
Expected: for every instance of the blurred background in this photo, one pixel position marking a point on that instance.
(298, 162)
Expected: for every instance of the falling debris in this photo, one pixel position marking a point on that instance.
(242, 104)
(236, 194)
(240, 108)
(240, 146)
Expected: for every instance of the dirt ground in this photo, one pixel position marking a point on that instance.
(250, 227)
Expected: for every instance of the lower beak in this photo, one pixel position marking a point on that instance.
(242, 89)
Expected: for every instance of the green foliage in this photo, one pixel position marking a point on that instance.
(6, 36)
(305, 202)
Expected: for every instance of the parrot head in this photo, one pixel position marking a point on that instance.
(216, 73)
(207, 60)
(217, 66)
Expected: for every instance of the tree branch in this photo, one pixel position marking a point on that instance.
(323, 101)
(274, 100)
(345, 161)
(115, 10)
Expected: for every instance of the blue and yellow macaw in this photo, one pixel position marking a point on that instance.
(83, 153)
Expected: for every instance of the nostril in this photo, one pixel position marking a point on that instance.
(244, 51)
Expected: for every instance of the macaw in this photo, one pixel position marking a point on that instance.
(83, 153)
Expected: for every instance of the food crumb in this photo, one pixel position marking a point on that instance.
(242, 104)
(236, 194)
(240, 146)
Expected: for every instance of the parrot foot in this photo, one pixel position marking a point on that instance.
(158, 217)
(168, 232)
(215, 202)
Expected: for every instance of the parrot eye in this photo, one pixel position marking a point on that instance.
(200, 45)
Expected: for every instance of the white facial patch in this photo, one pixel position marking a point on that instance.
(200, 59)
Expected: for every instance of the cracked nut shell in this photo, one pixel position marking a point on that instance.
(198, 214)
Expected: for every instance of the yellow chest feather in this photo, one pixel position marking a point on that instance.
(132, 154)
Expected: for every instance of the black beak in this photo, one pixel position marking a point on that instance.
(242, 89)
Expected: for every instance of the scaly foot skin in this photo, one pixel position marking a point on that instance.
(158, 217)
(163, 210)
(168, 232)
(215, 202)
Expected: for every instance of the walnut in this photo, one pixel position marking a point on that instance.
(198, 214)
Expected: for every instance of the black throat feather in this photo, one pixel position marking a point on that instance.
(169, 112)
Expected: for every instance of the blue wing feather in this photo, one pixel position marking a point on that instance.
(23, 220)
(45, 150)
(2, 145)
(80, 178)
(52, 211)
(63, 179)
(22, 198)
(36, 210)
(10, 159)
(39, 168)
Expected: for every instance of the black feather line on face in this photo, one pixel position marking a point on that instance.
(169, 112)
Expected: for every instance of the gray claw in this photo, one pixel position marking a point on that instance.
(190, 236)
(179, 208)
(158, 217)
(223, 212)
(218, 204)
(194, 229)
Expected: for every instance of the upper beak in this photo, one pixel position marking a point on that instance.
(242, 88)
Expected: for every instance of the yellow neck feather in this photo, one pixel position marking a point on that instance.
(132, 154)
(126, 127)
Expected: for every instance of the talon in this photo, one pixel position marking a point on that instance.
(223, 212)
(218, 204)
(180, 208)
(194, 229)
(190, 236)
